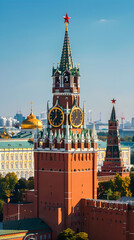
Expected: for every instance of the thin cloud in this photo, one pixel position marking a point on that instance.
(102, 20)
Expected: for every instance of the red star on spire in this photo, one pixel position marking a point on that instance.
(113, 100)
(66, 18)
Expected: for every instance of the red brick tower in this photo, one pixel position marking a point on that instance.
(66, 156)
(113, 161)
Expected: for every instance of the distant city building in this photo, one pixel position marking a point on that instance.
(99, 126)
(132, 122)
(7, 122)
(43, 115)
(127, 125)
(44, 122)
(3, 121)
(19, 117)
(89, 116)
(126, 132)
(43, 118)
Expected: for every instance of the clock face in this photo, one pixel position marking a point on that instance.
(76, 117)
(56, 117)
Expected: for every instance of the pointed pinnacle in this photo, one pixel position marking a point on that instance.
(59, 136)
(94, 134)
(88, 136)
(55, 134)
(51, 136)
(75, 137)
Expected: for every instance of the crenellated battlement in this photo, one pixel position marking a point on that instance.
(107, 204)
(57, 140)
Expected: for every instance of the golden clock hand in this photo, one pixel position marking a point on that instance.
(55, 118)
(76, 114)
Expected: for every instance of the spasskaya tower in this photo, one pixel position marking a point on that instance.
(66, 90)
(65, 155)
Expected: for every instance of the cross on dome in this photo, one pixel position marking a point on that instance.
(31, 106)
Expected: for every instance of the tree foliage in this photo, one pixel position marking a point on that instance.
(132, 183)
(11, 187)
(132, 169)
(30, 183)
(132, 157)
(127, 139)
(66, 234)
(7, 185)
(81, 236)
(69, 234)
(114, 189)
(11, 180)
(1, 209)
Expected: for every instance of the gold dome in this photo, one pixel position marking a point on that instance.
(5, 135)
(31, 122)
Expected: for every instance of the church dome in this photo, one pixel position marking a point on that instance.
(31, 122)
(5, 135)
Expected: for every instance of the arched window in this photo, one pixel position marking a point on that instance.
(66, 79)
(57, 79)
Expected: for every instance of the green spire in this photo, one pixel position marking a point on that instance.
(66, 61)
(113, 114)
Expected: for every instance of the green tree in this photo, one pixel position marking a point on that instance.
(127, 139)
(69, 234)
(109, 194)
(132, 157)
(103, 188)
(122, 185)
(132, 183)
(118, 183)
(132, 169)
(11, 180)
(117, 188)
(19, 189)
(81, 236)
(1, 209)
(22, 183)
(4, 191)
(116, 195)
(66, 235)
(126, 187)
(30, 183)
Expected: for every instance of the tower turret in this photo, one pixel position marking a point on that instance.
(113, 161)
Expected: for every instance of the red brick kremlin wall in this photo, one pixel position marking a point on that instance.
(105, 220)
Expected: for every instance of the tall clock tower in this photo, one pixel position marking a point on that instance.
(66, 155)
(66, 88)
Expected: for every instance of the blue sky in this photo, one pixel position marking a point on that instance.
(102, 40)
